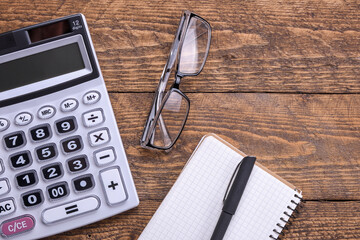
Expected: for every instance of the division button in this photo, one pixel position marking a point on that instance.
(93, 118)
(104, 156)
(17, 225)
(113, 186)
(23, 119)
(91, 97)
(46, 112)
(7, 206)
(83, 183)
(99, 137)
(71, 209)
(69, 105)
(4, 124)
(4, 186)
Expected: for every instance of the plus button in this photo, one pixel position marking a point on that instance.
(113, 185)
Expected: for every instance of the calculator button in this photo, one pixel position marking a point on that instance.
(15, 140)
(72, 144)
(78, 164)
(57, 190)
(7, 206)
(20, 160)
(4, 186)
(4, 124)
(23, 119)
(17, 225)
(46, 112)
(113, 185)
(91, 97)
(46, 152)
(2, 169)
(26, 179)
(32, 198)
(69, 105)
(99, 137)
(40, 133)
(93, 118)
(66, 125)
(83, 183)
(105, 156)
(52, 171)
(71, 209)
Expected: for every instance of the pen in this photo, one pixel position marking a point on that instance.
(233, 196)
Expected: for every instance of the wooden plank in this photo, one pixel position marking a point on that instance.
(310, 140)
(257, 46)
(316, 221)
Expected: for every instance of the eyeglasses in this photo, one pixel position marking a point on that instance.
(170, 108)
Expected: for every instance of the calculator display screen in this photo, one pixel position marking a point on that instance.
(40, 66)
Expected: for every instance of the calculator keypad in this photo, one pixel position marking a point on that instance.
(15, 140)
(60, 151)
(40, 133)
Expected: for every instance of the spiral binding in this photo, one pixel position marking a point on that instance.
(284, 225)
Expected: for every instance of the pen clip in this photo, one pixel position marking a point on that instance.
(232, 180)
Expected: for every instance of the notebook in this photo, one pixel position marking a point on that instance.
(192, 207)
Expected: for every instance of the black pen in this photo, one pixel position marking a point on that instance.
(233, 196)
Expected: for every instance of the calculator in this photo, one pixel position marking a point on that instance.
(62, 161)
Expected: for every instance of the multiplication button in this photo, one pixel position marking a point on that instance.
(99, 137)
(113, 185)
(71, 209)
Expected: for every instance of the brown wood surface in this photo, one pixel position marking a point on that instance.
(281, 83)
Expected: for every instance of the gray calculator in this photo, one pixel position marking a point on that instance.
(62, 161)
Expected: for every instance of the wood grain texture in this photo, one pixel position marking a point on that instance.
(257, 46)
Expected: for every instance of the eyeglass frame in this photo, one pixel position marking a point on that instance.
(159, 101)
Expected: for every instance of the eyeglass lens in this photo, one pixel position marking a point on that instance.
(171, 120)
(195, 46)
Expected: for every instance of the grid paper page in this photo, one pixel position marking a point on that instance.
(193, 205)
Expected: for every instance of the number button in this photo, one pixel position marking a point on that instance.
(72, 144)
(26, 179)
(57, 190)
(46, 152)
(83, 183)
(77, 164)
(15, 140)
(66, 125)
(52, 171)
(19, 160)
(40, 133)
(33, 198)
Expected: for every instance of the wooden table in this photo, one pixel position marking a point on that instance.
(282, 82)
